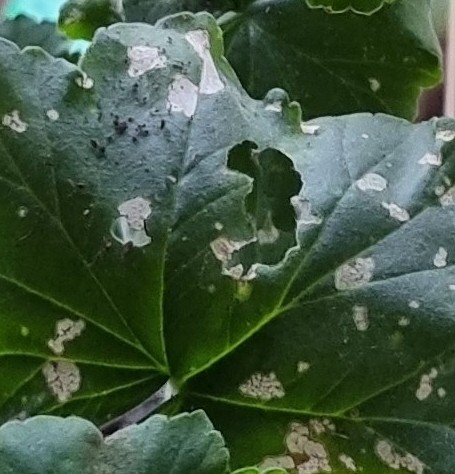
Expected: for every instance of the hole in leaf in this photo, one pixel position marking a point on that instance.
(269, 203)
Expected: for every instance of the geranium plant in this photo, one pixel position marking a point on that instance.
(288, 276)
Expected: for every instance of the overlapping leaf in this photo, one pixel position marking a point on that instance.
(330, 64)
(183, 444)
(27, 32)
(366, 7)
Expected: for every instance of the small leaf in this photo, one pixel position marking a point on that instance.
(79, 19)
(25, 31)
(366, 7)
(183, 444)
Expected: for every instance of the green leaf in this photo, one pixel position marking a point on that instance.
(80, 19)
(336, 64)
(330, 64)
(26, 32)
(184, 444)
(327, 330)
(366, 7)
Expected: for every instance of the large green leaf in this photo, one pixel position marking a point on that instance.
(295, 280)
(184, 444)
(359, 6)
(331, 64)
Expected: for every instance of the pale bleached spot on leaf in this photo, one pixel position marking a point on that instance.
(440, 259)
(403, 321)
(264, 387)
(445, 135)
(354, 274)
(360, 317)
(372, 182)
(425, 387)
(136, 211)
(25, 331)
(210, 79)
(311, 454)
(431, 159)
(274, 107)
(283, 462)
(223, 248)
(375, 85)
(63, 379)
(303, 211)
(53, 115)
(218, 226)
(130, 227)
(308, 129)
(442, 393)
(65, 330)
(452, 287)
(365, 136)
(439, 190)
(182, 96)
(22, 212)
(391, 458)
(414, 304)
(396, 212)
(348, 462)
(85, 82)
(448, 199)
(143, 59)
(303, 367)
(14, 122)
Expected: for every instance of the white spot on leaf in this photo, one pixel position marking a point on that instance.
(85, 82)
(375, 85)
(52, 115)
(403, 322)
(348, 462)
(143, 59)
(396, 212)
(445, 135)
(448, 199)
(274, 107)
(309, 129)
(391, 458)
(130, 227)
(182, 96)
(414, 304)
(283, 462)
(355, 274)
(66, 330)
(303, 211)
(14, 122)
(431, 159)
(22, 212)
(372, 182)
(442, 393)
(425, 387)
(263, 387)
(303, 367)
(63, 379)
(440, 259)
(210, 79)
(360, 317)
